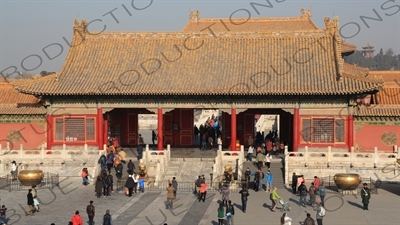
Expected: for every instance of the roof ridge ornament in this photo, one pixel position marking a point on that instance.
(194, 16)
(331, 26)
(305, 14)
(80, 27)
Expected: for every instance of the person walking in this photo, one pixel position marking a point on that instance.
(322, 193)
(261, 177)
(247, 175)
(98, 186)
(268, 179)
(106, 185)
(111, 181)
(30, 203)
(175, 186)
(203, 191)
(244, 194)
(312, 192)
(230, 212)
(221, 214)
(77, 219)
(320, 212)
(274, 197)
(107, 218)
(365, 196)
(309, 220)
(129, 183)
(250, 152)
(285, 220)
(131, 167)
(153, 137)
(170, 196)
(260, 159)
(294, 183)
(90, 211)
(225, 195)
(14, 170)
(122, 156)
(267, 159)
(303, 194)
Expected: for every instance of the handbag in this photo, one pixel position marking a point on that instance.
(229, 214)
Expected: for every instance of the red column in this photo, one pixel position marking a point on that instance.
(100, 140)
(233, 130)
(50, 122)
(105, 136)
(350, 124)
(295, 129)
(160, 140)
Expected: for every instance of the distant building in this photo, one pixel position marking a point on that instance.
(368, 51)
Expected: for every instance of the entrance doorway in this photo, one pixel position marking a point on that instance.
(266, 127)
(147, 124)
(207, 126)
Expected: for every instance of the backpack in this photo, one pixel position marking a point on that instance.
(322, 212)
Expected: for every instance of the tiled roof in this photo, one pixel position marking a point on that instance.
(12, 102)
(378, 110)
(356, 70)
(226, 25)
(12, 110)
(389, 76)
(388, 96)
(347, 47)
(8, 95)
(252, 63)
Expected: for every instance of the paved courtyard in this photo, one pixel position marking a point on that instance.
(59, 205)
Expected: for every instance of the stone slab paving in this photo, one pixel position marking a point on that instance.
(59, 204)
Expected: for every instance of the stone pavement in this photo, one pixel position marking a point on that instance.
(58, 206)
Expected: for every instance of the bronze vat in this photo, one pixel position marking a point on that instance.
(30, 177)
(347, 181)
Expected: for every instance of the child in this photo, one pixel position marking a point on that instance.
(36, 204)
(141, 184)
(3, 214)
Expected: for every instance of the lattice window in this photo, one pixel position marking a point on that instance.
(75, 129)
(339, 130)
(90, 129)
(306, 130)
(59, 130)
(323, 130)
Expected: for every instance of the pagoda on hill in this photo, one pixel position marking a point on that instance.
(368, 51)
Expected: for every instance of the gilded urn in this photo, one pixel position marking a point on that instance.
(347, 181)
(30, 177)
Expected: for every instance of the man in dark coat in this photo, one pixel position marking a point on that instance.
(294, 183)
(118, 170)
(111, 180)
(98, 186)
(244, 194)
(30, 203)
(247, 175)
(90, 212)
(129, 184)
(365, 196)
(131, 167)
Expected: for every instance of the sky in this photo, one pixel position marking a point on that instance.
(28, 27)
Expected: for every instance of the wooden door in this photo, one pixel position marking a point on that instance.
(132, 134)
(186, 127)
(167, 128)
(248, 128)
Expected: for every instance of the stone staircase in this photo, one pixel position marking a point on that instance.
(188, 169)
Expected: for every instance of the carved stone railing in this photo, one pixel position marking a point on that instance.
(156, 162)
(381, 164)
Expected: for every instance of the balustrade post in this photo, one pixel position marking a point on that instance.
(352, 157)
(329, 155)
(85, 147)
(42, 152)
(105, 147)
(398, 152)
(394, 149)
(219, 147)
(1, 147)
(8, 146)
(168, 147)
(64, 151)
(376, 157)
(306, 155)
(21, 150)
(286, 166)
(147, 147)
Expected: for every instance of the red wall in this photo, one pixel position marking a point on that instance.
(32, 135)
(369, 136)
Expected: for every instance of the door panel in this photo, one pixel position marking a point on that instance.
(186, 127)
(132, 134)
(167, 128)
(248, 127)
